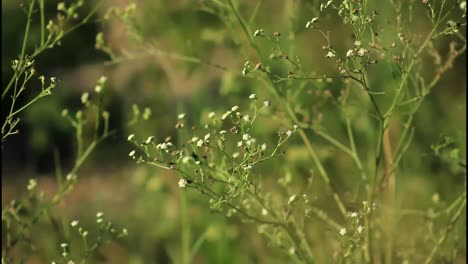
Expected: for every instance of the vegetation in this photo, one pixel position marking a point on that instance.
(235, 132)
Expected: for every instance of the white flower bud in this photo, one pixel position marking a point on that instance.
(182, 183)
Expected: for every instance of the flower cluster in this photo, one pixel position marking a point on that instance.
(224, 150)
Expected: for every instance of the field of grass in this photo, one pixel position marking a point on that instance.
(234, 131)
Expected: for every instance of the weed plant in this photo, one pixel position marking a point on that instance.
(316, 159)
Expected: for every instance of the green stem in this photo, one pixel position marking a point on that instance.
(26, 33)
(323, 172)
(41, 10)
(449, 228)
(185, 234)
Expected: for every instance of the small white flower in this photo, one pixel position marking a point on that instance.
(84, 98)
(264, 211)
(102, 80)
(353, 214)
(360, 229)
(182, 183)
(357, 43)
(98, 88)
(207, 136)
(258, 32)
(350, 53)
(130, 137)
(463, 5)
(266, 103)
(32, 184)
(246, 137)
(246, 118)
(186, 159)
(50, 25)
(71, 176)
(292, 198)
(85, 233)
(343, 231)
(292, 250)
(181, 116)
(289, 133)
(161, 146)
(211, 115)
(194, 139)
(264, 147)
(225, 115)
(234, 108)
(311, 22)
(239, 144)
(61, 6)
(235, 155)
(64, 245)
(247, 167)
(252, 96)
(222, 132)
(330, 55)
(199, 143)
(132, 153)
(149, 139)
(362, 52)
(74, 223)
(99, 214)
(295, 127)
(99, 220)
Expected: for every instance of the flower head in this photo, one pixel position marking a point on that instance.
(360, 229)
(182, 183)
(330, 54)
(258, 32)
(343, 231)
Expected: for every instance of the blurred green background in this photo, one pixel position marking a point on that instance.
(147, 201)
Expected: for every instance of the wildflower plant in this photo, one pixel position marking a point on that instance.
(21, 216)
(24, 76)
(315, 157)
(216, 159)
(35, 209)
(219, 156)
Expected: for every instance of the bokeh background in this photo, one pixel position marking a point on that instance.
(147, 201)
